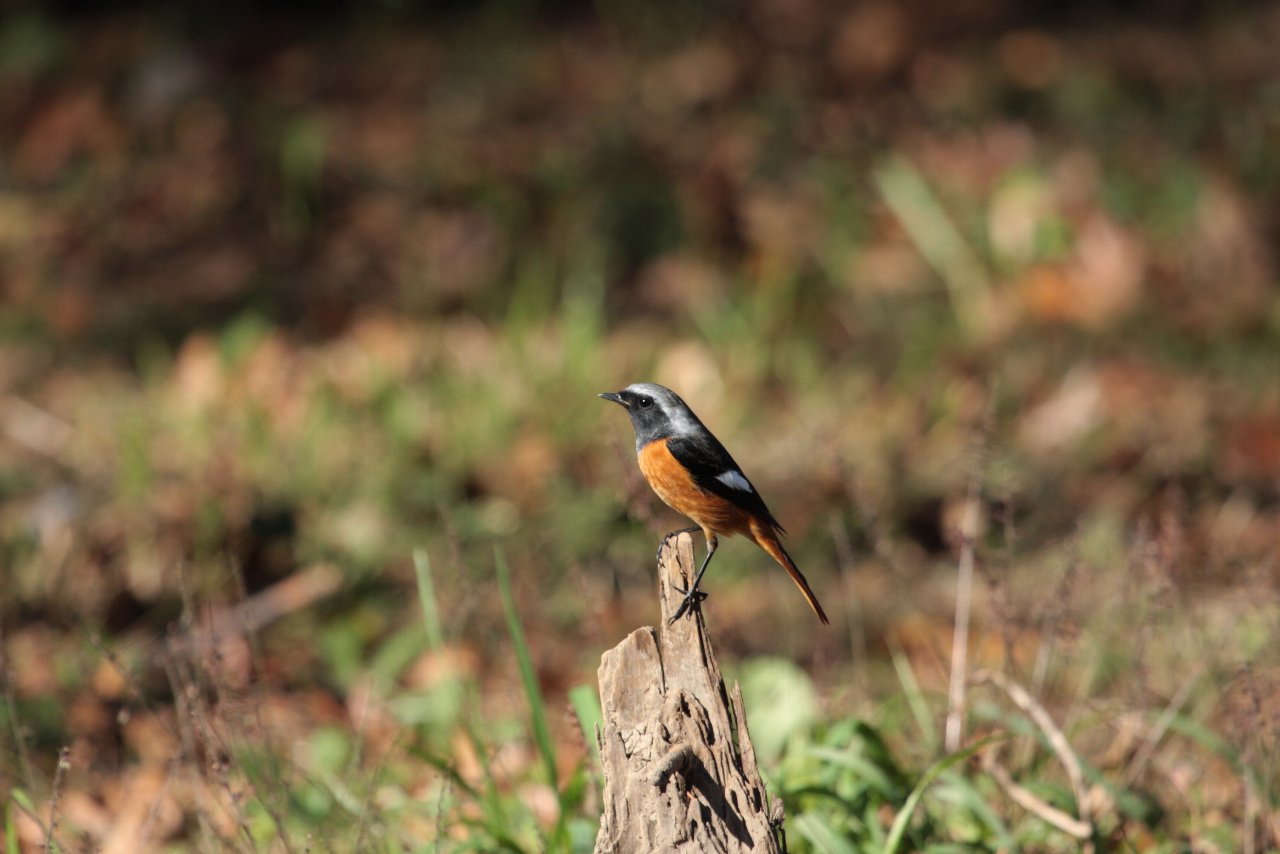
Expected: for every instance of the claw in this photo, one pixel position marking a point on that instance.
(691, 599)
(692, 596)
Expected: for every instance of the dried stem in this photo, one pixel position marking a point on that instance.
(1052, 733)
(59, 777)
(953, 733)
(1024, 798)
(1148, 748)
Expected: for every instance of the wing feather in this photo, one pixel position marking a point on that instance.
(716, 472)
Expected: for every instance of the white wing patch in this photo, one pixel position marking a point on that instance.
(734, 480)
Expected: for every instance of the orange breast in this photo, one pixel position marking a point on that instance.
(676, 487)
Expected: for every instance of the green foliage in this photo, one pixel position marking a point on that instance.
(11, 825)
(782, 701)
(847, 792)
(586, 707)
(533, 693)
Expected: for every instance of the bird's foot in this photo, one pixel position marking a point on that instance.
(662, 545)
(691, 599)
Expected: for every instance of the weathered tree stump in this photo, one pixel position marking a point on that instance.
(679, 769)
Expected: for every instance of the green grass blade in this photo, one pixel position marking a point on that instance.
(10, 830)
(936, 237)
(446, 768)
(822, 836)
(915, 697)
(967, 795)
(427, 596)
(819, 796)
(24, 802)
(899, 828)
(1206, 738)
(866, 770)
(495, 812)
(528, 677)
(586, 705)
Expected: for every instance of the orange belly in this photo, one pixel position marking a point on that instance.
(675, 486)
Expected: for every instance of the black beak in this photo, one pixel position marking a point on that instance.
(615, 397)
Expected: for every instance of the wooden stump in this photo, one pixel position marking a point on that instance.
(679, 769)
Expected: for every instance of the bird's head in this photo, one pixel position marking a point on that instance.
(656, 412)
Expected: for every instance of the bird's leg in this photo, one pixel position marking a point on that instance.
(662, 545)
(693, 595)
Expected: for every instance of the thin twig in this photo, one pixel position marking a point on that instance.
(953, 733)
(1148, 748)
(59, 777)
(1250, 819)
(153, 814)
(1024, 798)
(1053, 615)
(446, 788)
(871, 516)
(1273, 824)
(11, 713)
(995, 573)
(954, 730)
(857, 626)
(247, 617)
(366, 809)
(1057, 740)
(130, 680)
(187, 739)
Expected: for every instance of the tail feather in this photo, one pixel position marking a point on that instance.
(766, 539)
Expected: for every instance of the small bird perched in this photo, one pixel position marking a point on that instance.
(692, 472)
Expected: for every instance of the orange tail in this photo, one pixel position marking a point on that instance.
(766, 539)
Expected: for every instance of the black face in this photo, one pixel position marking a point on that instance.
(637, 401)
(647, 417)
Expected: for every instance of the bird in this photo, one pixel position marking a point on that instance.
(690, 470)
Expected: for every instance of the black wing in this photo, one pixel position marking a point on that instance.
(706, 459)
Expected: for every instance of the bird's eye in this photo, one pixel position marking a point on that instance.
(644, 402)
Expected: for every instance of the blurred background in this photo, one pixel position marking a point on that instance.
(313, 531)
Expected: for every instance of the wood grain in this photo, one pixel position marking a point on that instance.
(679, 768)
